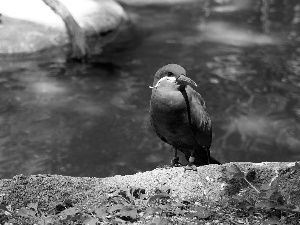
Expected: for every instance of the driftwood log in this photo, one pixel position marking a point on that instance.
(76, 34)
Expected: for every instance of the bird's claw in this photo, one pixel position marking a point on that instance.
(175, 162)
(190, 167)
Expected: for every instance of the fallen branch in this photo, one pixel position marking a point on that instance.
(76, 35)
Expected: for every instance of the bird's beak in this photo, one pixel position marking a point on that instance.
(183, 80)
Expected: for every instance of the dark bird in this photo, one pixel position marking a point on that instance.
(178, 116)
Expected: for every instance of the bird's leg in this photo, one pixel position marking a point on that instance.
(208, 154)
(175, 160)
(191, 165)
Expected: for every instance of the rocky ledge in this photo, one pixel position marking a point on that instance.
(250, 193)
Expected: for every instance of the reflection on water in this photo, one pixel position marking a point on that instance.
(231, 35)
(92, 120)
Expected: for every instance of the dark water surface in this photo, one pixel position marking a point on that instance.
(92, 120)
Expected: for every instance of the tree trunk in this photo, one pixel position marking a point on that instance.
(76, 35)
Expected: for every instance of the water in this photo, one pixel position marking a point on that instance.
(92, 120)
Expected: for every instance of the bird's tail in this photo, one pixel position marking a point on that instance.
(212, 160)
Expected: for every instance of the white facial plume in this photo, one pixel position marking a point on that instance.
(172, 79)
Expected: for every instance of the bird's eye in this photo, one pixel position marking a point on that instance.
(170, 74)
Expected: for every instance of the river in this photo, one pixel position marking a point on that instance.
(92, 120)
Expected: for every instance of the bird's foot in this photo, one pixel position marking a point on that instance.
(175, 162)
(190, 167)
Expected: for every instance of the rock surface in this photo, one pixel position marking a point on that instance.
(239, 193)
(31, 26)
(211, 181)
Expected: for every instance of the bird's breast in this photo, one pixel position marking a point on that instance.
(168, 112)
(168, 101)
(169, 118)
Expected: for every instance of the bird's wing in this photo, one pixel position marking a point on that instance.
(200, 120)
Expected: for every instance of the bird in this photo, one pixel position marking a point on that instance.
(178, 116)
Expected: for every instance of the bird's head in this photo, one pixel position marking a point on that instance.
(174, 75)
